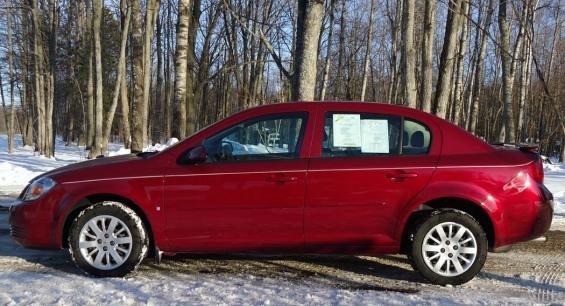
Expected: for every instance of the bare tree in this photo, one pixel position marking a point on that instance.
(309, 20)
(327, 62)
(368, 50)
(443, 86)
(426, 79)
(181, 63)
(119, 83)
(508, 133)
(408, 54)
(98, 136)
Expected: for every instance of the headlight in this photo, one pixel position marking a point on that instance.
(38, 188)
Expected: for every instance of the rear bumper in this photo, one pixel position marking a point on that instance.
(526, 218)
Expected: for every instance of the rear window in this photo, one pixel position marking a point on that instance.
(416, 138)
(370, 134)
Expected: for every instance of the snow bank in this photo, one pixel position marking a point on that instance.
(18, 168)
(13, 176)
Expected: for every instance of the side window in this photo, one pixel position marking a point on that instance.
(360, 134)
(272, 137)
(415, 138)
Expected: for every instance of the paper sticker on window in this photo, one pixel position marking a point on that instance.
(346, 130)
(374, 136)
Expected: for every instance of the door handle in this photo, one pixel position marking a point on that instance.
(281, 178)
(401, 176)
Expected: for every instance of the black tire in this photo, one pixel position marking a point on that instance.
(426, 225)
(139, 238)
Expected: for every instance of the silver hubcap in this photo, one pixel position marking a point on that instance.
(105, 242)
(449, 249)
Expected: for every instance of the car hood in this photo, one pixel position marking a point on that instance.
(88, 165)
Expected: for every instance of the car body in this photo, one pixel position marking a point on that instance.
(322, 198)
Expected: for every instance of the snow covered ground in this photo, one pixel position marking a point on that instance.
(531, 273)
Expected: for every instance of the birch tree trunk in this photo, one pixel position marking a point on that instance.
(309, 21)
(151, 13)
(443, 86)
(507, 133)
(368, 50)
(458, 91)
(426, 79)
(327, 62)
(181, 63)
(408, 54)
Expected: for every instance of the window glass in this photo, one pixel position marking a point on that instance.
(415, 138)
(272, 137)
(360, 134)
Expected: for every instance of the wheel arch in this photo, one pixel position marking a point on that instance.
(90, 200)
(457, 203)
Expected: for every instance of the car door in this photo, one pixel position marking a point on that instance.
(361, 179)
(248, 195)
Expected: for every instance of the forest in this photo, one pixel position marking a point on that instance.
(142, 71)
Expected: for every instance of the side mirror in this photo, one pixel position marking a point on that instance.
(196, 155)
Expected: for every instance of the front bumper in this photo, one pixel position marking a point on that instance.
(31, 222)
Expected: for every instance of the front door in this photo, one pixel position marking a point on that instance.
(248, 196)
(371, 165)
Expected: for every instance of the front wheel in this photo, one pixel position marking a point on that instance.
(108, 239)
(449, 247)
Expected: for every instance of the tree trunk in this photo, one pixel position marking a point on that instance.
(139, 126)
(327, 62)
(508, 133)
(191, 102)
(151, 12)
(99, 106)
(181, 63)
(458, 90)
(478, 73)
(409, 54)
(10, 123)
(39, 78)
(119, 83)
(368, 50)
(427, 56)
(338, 84)
(443, 86)
(309, 20)
(124, 101)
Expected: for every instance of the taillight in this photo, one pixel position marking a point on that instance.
(537, 170)
(519, 183)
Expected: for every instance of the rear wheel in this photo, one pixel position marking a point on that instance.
(449, 247)
(108, 239)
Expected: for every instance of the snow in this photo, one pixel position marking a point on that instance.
(18, 168)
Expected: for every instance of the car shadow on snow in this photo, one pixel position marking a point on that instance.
(342, 272)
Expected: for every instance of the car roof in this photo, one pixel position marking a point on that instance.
(357, 105)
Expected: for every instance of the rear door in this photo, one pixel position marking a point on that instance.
(369, 166)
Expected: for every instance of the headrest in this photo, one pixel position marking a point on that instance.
(417, 140)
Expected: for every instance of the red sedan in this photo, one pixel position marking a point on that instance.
(336, 177)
